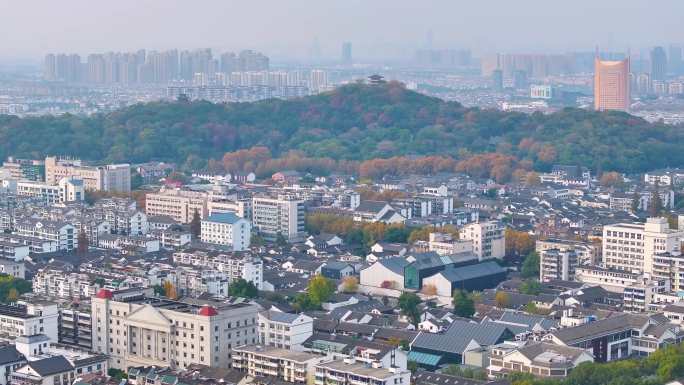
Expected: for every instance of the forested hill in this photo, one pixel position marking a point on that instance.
(355, 122)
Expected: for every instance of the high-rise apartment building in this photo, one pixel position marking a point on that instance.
(555, 264)
(611, 85)
(632, 246)
(281, 215)
(658, 64)
(487, 237)
(249, 60)
(62, 67)
(229, 62)
(318, 80)
(497, 79)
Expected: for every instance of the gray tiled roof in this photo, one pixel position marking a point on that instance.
(526, 319)
(52, 365)
(396, 265)
(535, 352)
(616, 324)
(463, 273)
(371, 206)
(278, 316)
(459, 335)
(9, 354)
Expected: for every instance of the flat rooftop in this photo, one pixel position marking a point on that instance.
(182, 306)
(16, 311)
(278, 353)
(359, 369)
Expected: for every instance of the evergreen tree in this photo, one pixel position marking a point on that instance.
(196, 225)
(280, 240)
(655, 204)
(530, 267)
(243, 288)
(408, 303)
(464, 306)
(636, 199)
(82, 248)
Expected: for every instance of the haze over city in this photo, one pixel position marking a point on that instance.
(357, 192)
(288, 30)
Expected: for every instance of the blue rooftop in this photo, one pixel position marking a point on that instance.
(229, 218)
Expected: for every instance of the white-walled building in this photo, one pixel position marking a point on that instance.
(555, 264)
(612, 280)
(488, 239)
(587, 253)
(638, 297)
(62, 233)
(251, 269)
(136, 330)
(267, 361)
(351, 372)
(541, 359)
(284, 330)
(273, 216)
(66, 190)
(177, 204)
(16, 269)
(29, 318)
(670, 266)
(227, 229)
(58, 283)
(446, 244)
(632, 246)
(49, 363)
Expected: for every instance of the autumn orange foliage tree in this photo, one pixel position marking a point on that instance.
(518, 243)
(499, 167)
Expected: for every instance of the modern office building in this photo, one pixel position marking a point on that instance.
(611, 85)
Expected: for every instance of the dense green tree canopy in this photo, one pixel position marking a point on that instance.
(355, 122)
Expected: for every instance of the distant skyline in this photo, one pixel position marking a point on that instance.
(295, 29)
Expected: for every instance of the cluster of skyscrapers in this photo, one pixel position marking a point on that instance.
(149, 67)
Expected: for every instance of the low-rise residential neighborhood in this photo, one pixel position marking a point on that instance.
(423, 279)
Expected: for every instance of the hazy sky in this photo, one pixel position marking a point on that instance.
(287, 29)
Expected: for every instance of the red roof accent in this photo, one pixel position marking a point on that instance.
(104, 294)
(208, 311)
